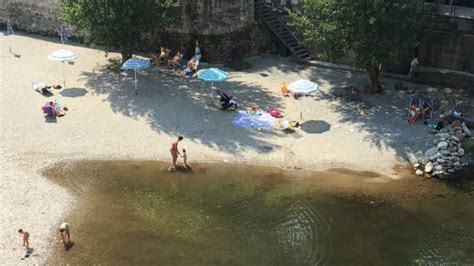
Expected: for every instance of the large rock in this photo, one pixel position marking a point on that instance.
(461, 151)
(455, 138)
(419, 172)
(460, 136)
(429, 167)
(466, 130)
(445, 152)
(442, 145)
(431, 152)
(438, 168)
(456, 164)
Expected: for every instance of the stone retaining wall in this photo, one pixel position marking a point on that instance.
(226, 29)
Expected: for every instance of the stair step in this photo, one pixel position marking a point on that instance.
(290, 39)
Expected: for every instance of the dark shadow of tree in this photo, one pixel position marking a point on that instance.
(383, 116)
(160, 91)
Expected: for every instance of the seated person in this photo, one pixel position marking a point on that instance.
(175, 61)
(191, 66)
(52, 108)
(254, 110)
(426, 106)
(284, 89)
(164, 53)
(413, 112)
(48, 108)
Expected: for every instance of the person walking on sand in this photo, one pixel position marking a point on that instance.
(64, 231)
(175, 152)
(26, 237)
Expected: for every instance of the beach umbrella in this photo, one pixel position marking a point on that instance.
(303, 87)
(135, 64)
(9, 27)
(63, 55)
(212, 74)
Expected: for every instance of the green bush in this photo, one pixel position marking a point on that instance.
(114, 64)
(240, 65)
(469, 145)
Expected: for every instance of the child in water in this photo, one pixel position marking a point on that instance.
(185, 159)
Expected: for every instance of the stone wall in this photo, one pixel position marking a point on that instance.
(225, 29)
(214, 17)
(33, 16)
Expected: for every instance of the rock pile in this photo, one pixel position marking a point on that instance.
(446, 157)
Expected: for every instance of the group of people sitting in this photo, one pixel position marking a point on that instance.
(52, 109)
(420, 108)
(173, 62)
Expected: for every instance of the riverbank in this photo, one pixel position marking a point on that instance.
(106, 120)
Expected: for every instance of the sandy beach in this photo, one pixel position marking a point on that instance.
(106, 120)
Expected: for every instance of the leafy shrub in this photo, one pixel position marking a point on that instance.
(468, 145)
(114, 64)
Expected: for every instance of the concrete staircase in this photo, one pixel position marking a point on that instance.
(273, 20)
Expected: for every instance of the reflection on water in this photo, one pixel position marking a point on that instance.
(138, 213)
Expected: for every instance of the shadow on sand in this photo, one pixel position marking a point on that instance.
(160, 91)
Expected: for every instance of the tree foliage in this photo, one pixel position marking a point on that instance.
(375, 31)
(117, 24)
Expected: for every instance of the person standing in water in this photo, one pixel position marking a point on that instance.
(65, 233)
(175, 152)
(185, 159)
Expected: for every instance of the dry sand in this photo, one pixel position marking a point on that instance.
(107, 121)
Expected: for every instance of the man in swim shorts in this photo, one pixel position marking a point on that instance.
(175, 152)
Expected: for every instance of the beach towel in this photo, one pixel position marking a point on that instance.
(244, 119)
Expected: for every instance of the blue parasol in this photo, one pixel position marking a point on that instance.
(136, 63)
(303, 87)
(212, 74)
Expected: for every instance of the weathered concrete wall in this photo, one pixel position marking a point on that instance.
(449, 44)
(212, 17)
(226, 29)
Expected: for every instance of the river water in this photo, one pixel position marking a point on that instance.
(131, 213)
